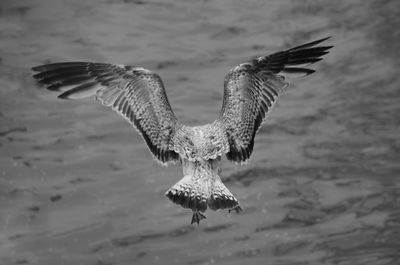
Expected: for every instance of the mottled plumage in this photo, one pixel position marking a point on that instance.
(137, 94)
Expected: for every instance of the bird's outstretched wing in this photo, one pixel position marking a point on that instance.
(135, 93)
(251, 89)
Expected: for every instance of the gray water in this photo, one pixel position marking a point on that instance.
(78, 186)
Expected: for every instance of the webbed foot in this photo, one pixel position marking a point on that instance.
(197, 216)
(236, 208)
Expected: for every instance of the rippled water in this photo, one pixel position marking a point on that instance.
(77, 185)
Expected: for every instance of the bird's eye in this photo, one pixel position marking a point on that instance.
(189, 141)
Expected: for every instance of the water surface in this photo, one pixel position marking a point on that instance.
(78, 186)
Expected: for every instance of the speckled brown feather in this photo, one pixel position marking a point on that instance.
(135, 93)
(252, 88)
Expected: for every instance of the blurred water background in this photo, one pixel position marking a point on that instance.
(78, 186)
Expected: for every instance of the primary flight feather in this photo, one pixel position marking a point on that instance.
(138, 95)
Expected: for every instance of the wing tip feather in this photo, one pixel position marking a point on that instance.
(310, 44)
(64, 96)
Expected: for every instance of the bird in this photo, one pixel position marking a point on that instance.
(251, 89)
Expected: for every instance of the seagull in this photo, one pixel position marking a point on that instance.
(138, 95)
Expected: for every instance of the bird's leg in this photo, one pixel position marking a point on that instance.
(197, 216)
(236, 208)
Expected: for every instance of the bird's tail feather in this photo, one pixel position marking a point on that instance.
(192, 194)
(221, 197)
(189, 194)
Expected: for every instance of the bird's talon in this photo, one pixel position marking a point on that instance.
(197, 216)
(237, 209)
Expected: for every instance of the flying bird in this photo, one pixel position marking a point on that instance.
(137, 94)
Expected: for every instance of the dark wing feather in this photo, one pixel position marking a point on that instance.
(251, 89)
(135, 93)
